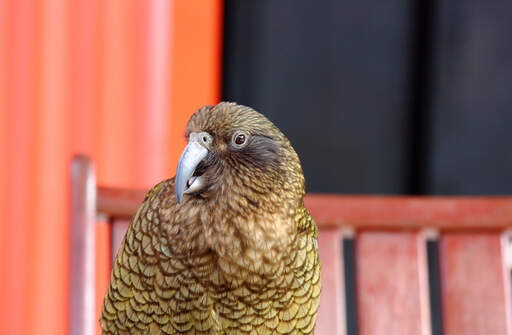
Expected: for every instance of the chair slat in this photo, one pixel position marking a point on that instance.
(118, 231)
(331, 314)
(472, 284)
(102, 266)
(388, 284)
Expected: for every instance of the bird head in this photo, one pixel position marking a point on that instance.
(234, 151)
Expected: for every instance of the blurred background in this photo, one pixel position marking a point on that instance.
(392, 97)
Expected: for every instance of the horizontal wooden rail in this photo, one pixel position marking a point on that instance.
(367, 212)
(119, 203)
(401, 212)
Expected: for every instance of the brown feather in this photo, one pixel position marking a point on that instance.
(239, 258)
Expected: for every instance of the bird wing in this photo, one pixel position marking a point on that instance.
(151, 291)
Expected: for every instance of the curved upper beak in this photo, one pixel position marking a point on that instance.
(193, 154)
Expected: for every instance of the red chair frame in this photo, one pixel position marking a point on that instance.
(390, 268)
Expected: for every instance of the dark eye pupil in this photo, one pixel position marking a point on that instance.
(240, 139)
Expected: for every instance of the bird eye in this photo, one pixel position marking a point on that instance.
(239, 139)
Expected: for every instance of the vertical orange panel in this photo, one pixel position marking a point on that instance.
(133, 117)
(85, 53)
(4, 31)
(117, 129)
(331, 313)
(49, 232)
(196, 64)
(102, 266)
(133, 123)
(19, 66)
(154, 116)
(84, 47)
(472, 282)
(388, 283)
(71, 70)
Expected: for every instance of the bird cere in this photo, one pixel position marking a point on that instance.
(225, 247)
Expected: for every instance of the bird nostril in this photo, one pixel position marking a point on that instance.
(203, 137)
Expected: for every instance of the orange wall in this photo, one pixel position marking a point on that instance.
(114, 79)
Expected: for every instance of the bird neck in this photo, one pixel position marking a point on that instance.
(248, 228)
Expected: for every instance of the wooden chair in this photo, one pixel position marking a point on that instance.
(391, 265)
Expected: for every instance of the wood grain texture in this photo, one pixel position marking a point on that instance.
(331, 313)
(396, 213)
(388, 283)
(473, 292)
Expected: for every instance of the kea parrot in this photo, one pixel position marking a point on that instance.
(224, 247)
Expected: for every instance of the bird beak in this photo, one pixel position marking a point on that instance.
(193, 154)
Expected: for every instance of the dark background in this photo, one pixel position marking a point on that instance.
(384, 97)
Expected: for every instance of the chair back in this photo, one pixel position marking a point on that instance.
(390, 265)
